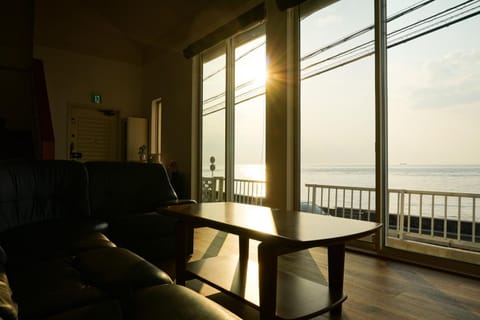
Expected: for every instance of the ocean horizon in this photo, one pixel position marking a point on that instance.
(425, 178)
(439, 177)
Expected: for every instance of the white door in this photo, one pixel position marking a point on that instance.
(93, 134)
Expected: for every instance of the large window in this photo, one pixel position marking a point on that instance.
(338, 110)
(434, 136)
(213, 123)
(233, 119)
(388, 130)
(433, 111)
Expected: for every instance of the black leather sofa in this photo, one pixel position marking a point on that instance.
(126, 194)
(57, 261)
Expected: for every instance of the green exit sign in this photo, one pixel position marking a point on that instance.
(96, 98)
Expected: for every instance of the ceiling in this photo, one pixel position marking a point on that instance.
(152, 21)
(127, 26)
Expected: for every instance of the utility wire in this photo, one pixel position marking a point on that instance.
(259, 45)
(349, 37)
(366, 29)
(356, 53)
(371, 42)
(239, 98)
(439, 15)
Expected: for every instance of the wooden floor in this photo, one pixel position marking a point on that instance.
(376, 288)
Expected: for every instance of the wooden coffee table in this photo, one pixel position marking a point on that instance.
(277, 294)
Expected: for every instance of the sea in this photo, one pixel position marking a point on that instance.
(430, 178)
(443, 178)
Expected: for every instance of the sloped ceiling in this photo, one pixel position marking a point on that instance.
(129, 30)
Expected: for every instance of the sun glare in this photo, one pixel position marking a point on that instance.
(252, 70)
(259, 75)
(251, 63)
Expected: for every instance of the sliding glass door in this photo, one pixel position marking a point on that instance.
(433, 97)
(338, 109)
(250, 73)
(434, 131)
(213, 124)
(233, 119)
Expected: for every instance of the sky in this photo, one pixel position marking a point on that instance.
(433, 90)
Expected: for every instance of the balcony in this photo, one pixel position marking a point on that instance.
(245, 191)
(444, 223)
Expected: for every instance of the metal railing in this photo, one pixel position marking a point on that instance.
(446, 219)
(244, 191)
(442, 218)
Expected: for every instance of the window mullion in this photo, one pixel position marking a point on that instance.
(230, 121)
(381, 150)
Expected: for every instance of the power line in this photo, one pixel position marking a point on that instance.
(251, 94)
(371, 42)
(236, 60)
(361, 51)
(366, 49)
(355, 34)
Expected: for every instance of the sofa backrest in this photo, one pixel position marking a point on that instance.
(41, 190)
(124, 188)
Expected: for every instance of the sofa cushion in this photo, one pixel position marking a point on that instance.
(177, 302)
(119, 271)
(53, 238)
(105, 310)
(41, 190)
(89, 278)
(52, 287)
(123, 188)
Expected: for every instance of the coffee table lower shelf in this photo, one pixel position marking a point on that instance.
(297, 298)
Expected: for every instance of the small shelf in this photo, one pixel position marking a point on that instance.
(297, 298)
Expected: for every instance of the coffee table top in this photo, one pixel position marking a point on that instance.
(263, 223)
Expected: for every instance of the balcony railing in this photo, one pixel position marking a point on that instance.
(442, 218)
(244, 191)
(445, 219)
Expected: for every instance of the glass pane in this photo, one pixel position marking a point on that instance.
(338, 110)
(250, 68)
(213, 129)
(434, 131)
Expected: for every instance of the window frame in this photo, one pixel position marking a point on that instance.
(226, 47)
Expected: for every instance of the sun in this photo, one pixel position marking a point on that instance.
(252, 71)
(250, 66)
(260, 75)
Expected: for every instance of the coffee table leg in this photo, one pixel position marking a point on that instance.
(336, 265)
(267, 272)
(182, 234)
(243, 245)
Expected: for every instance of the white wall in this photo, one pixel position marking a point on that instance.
(71, 77)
